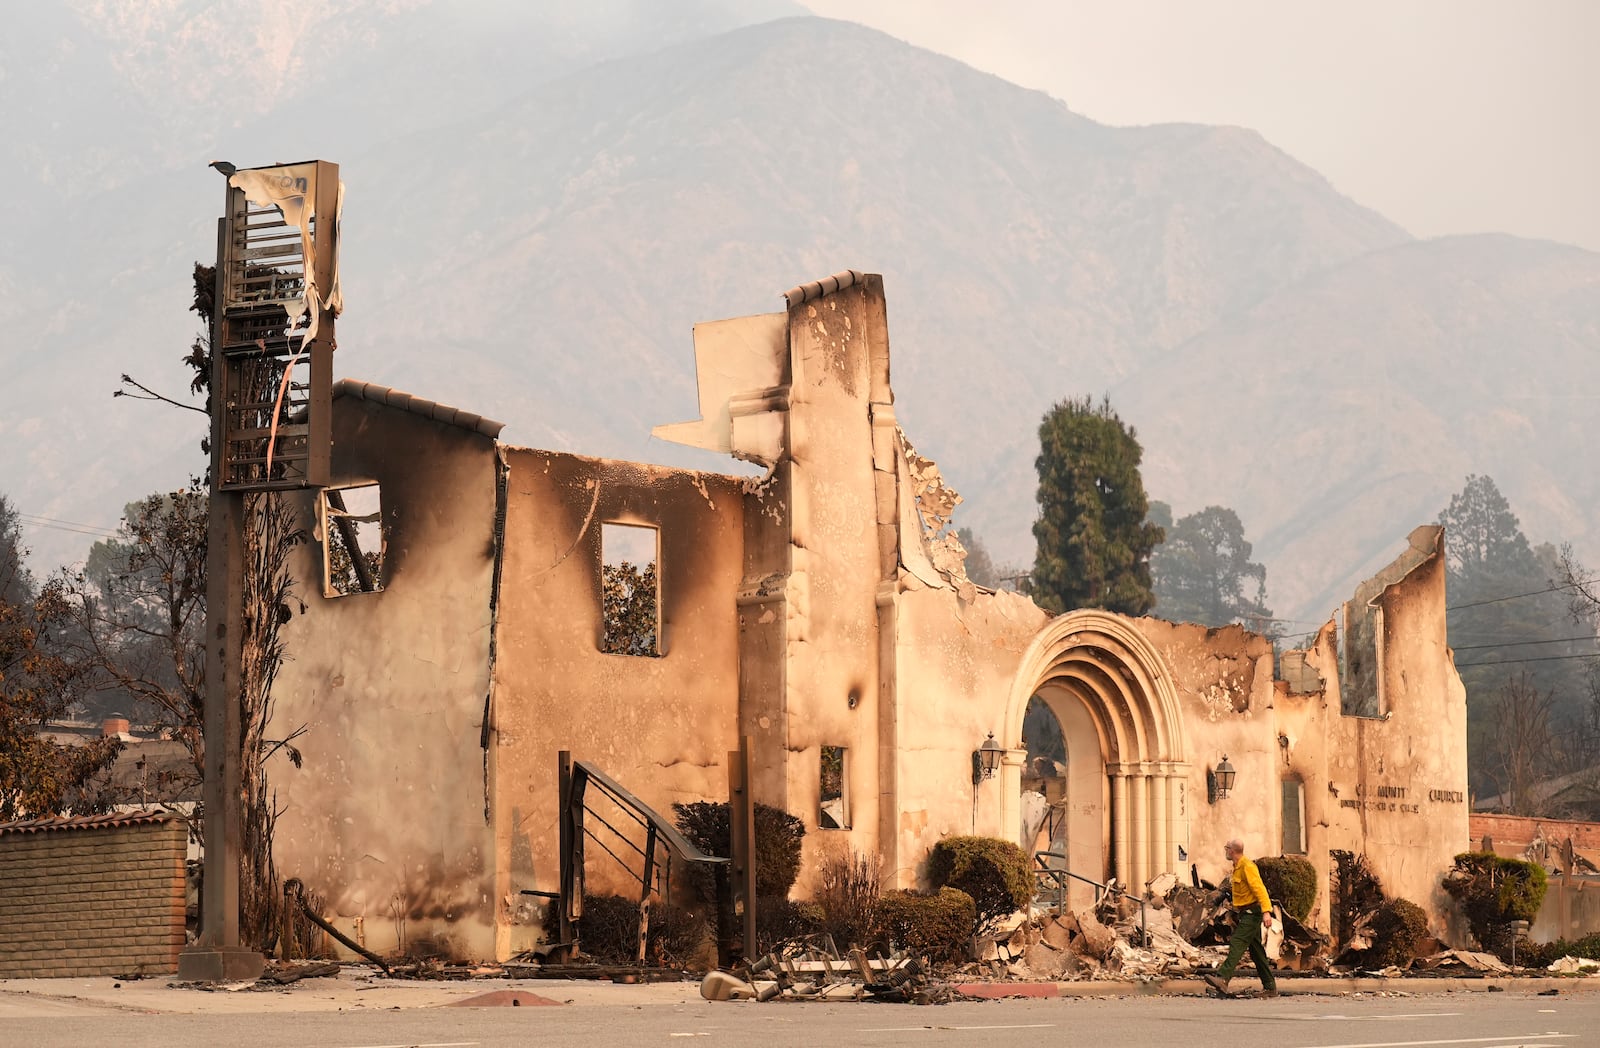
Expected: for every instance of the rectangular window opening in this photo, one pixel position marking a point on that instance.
(1294, 817)
(630, 591)
(834, 809)
(353, 540)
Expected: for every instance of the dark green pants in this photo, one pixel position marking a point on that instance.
(1247, 936)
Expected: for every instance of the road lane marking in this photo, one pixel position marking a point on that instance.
(1516, 1041)
(924, 1029)
(1378, 1018)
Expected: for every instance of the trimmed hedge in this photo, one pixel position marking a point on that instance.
(1493, 892)
(778, 838)
(1396, 929)
(995, 873)
(938, 927)
(1291, 881)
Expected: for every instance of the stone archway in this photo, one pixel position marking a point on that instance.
(1114, 697)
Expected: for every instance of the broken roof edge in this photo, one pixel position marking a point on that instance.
(802, 293)
(1424, 543)
(394, 398)
(603, 461)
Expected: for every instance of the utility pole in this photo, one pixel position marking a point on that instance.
(272, 321)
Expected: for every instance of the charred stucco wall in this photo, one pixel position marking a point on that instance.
(833, 652)
(386, 819)
(1398, 782)
(955, 659)
(1225, 688)
(662, 726)
(1390, 786)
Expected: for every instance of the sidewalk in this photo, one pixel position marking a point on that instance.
(355, 988)
(360, 988)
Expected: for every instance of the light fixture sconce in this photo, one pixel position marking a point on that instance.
(985, 759)
(1219, 780)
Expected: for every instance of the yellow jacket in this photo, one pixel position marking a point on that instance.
(1247, 886)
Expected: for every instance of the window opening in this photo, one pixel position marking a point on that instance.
(629, 591)
(834, 810)
(1294, 817)
(353, 540)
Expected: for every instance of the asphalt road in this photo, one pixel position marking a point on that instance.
(1464, 1020)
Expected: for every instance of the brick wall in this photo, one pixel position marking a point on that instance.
(1513, 833)
(91, 897)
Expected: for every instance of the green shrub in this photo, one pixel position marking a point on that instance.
(1291, 881)
(778, 839)
(1541, 955)
(1492, 892)
(1397, 928)
(938, 926)
(610, 932)
(994, 872)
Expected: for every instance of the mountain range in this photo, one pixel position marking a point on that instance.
(540, 206)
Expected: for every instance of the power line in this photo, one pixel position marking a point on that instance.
(1509, 662)
(1520, 643)
(1511, 596)
(33, 520)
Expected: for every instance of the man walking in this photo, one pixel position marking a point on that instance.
(1254, 911)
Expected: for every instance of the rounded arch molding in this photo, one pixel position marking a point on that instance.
(1150, 698)
(1111, 667)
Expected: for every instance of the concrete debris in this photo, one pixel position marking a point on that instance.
(1097, 939)
(1574, 966)
(816, 971)
(1161, 887)
(1469, 960)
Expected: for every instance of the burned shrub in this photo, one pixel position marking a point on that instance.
(937, 926)
(1354, 897)
(1291, 882)
(995, 873)
(1492, 892)
(777, 846)
(610, 932)
(780, 922)
(847, 890)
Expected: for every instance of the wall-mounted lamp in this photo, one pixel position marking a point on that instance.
(985, 759)
(1219, 780)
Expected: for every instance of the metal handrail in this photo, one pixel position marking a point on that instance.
(1102, 889)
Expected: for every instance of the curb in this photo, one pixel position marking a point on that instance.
(1286, 987)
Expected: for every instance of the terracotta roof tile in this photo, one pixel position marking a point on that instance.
(110, 820)
(394, 398)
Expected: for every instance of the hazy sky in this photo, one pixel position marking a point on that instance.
(1449, 116)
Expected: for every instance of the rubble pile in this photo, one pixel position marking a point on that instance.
(817, 971)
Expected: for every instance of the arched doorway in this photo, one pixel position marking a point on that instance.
(1126, 810)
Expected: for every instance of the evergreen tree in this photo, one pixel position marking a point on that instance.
(980, 566)
(1203, 572)
(1094, 540)
(1507, 605)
